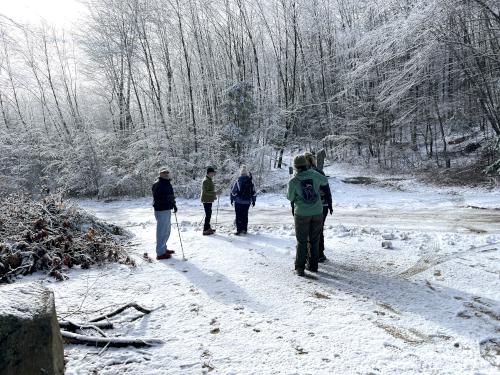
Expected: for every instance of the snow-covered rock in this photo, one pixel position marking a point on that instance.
(30, 339)
(387, 244)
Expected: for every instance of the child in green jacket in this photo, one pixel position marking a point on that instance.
(208, 196)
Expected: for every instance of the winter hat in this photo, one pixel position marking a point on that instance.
(299, 161)
(210, 169)
(310, 158)
(244, 170)
(163, 170)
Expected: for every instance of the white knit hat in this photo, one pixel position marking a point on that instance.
(244, 170)
(163, 170)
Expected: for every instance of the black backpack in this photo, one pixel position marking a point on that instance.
(309, 195)
(246, 190)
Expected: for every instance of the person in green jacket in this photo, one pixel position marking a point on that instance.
(326, 199)
(208, 196)
(307, 209)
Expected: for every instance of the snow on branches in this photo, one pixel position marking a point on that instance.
(52, 236)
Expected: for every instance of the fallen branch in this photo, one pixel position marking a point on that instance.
(103, 349)
(17, 271)
(70, 325)
(120, 310)
(98, 327)
(117, 342)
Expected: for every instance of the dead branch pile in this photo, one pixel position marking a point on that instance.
(52, 236)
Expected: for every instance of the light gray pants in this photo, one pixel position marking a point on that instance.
(162, 230)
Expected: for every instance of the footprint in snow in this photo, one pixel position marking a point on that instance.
(320, 295)
(300, 350)
(195, 308)
(490, 350)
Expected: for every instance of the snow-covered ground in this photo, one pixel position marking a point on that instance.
(430, 305)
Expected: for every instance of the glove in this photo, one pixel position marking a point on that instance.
(232, 203)
(331, 210)
(175, 209)
(293, 210)
(253, 204)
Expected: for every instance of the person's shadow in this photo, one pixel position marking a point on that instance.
(264, 242)
(217, 286)
(458, 311)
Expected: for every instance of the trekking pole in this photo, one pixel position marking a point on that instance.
(217, 213)
(199, 226)
(180, 239)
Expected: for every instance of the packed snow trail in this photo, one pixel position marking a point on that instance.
(430, 305)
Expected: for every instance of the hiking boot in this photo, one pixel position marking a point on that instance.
(170, 252)
(208, 232)
(238, 232)
(163, 256)
(300, 272)
(245, 232)
(311, 269)
(322, 259)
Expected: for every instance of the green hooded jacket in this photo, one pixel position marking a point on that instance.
(208, 191)
(295, 193)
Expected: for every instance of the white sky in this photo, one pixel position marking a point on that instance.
(63, 13)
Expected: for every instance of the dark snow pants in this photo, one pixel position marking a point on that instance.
(241, 216)
(322, 237)
(307, 229)
(208, 215)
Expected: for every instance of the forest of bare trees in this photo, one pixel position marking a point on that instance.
(397, 84)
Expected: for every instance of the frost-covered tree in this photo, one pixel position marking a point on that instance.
(143, 83)
(239, 109)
